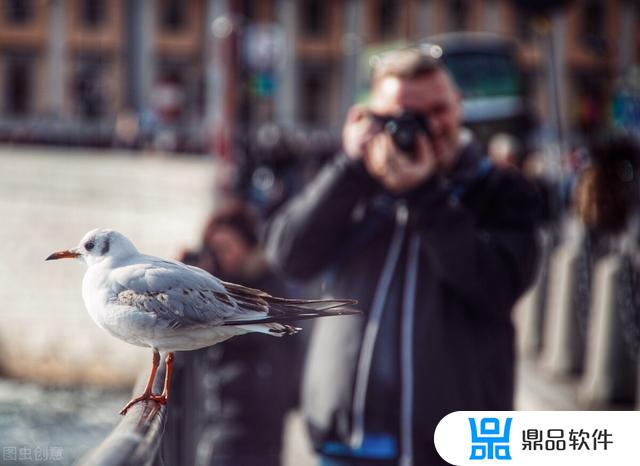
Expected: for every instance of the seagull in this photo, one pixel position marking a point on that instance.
(169, 306)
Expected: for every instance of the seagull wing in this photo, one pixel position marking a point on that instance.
(182, 296)
(178, 295)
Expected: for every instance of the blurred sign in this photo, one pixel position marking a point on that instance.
(262, 84)
(625, 105)
(264, 44)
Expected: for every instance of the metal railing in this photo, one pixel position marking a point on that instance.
(136, 439)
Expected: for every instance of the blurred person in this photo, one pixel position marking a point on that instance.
(435, 244)
(503, 151)
(239, 405)
(127, 130)
(548, 190)
(272, 170)
(606, 194)
(573, 163)
(604, 202)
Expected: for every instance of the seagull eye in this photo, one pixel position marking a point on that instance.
(89, 245)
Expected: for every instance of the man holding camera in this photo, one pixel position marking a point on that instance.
(435, 244)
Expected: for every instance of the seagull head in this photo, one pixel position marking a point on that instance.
(96, 246)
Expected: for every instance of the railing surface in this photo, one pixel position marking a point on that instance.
(136, 439)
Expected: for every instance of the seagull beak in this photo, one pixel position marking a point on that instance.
(68, 254)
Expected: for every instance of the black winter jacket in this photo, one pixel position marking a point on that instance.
(463, 248)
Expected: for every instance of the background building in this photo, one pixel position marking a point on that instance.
(185, 75)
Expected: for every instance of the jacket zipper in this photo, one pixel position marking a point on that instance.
(373, 325)
(406, 339)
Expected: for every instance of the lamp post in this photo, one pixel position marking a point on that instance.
(219, 78)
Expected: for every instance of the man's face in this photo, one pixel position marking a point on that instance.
(433, 95)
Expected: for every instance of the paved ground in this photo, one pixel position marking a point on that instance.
(535, 392)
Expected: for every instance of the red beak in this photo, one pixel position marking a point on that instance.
(62, 255)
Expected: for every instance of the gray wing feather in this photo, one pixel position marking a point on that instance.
(180, 296)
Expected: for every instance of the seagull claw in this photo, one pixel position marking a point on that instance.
(161, 399)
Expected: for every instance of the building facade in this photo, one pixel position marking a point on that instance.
(189, 72)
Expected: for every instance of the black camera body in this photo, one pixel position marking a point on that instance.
(404, 130)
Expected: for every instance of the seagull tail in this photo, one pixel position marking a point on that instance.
(273, 328)
(282, 310)
(286, 312)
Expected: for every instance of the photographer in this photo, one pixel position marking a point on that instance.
(435, 244)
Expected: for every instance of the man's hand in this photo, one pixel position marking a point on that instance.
(396, 171)
(358, 131)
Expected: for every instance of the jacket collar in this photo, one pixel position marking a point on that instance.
(466, 167)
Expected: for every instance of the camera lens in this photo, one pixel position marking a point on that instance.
(403, 134)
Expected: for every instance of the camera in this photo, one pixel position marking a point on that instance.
(404, 129)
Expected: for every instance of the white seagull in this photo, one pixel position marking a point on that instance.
(169, 306)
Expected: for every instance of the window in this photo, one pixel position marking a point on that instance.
(388, 12)
(485, 74)
(593, 26)
(92, 13)
(173, 15)
(18, 72)
(88, 87)
(18, 11)
(592, 21)
(458, 15)
(248, 9)
(314, 18)
(523, 24)
(637, 35)
(170, 93)
(314, 91)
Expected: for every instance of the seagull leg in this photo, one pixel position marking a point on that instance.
(146, 395)
(164, 397)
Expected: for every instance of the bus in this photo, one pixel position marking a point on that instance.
(494, 89)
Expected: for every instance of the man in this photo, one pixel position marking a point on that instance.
(435, 245)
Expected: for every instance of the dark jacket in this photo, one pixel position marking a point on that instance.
(447, 261)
